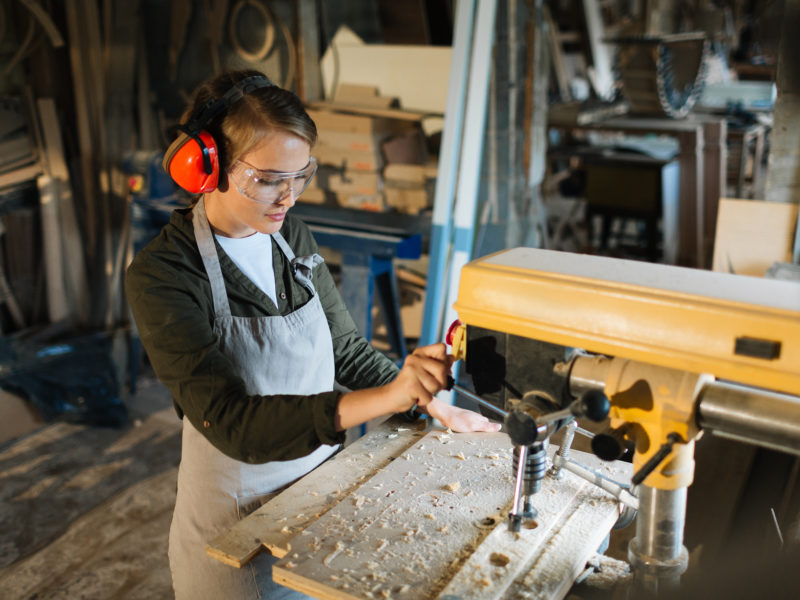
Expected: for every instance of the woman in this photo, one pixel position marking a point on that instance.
(242, 321)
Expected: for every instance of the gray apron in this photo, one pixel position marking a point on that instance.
(290, 354)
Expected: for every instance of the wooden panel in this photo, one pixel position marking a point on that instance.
(432, 523)
(313, 495)
(752, 235)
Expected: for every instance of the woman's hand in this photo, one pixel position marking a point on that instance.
(423, 375)
(459, 419)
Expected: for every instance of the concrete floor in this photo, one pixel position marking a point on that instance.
(85, 511)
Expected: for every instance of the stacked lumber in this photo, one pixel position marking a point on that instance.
(371, 155)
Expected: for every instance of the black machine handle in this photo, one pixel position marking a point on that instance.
(656, 459)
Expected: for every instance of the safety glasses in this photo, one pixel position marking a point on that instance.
(270, 187)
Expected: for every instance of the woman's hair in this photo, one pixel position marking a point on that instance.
(250, 119)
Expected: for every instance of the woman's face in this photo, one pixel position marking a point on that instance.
(237, 212)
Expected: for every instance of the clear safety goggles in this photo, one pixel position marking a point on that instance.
(270, 187)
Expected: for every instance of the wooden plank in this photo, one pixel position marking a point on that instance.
(313, 495)
(417, 75)
(21, 175)
(432, 525)
(751, 235)
(573, 519)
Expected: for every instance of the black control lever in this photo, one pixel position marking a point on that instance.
(451, 385)
(656, 459)
(593, 405)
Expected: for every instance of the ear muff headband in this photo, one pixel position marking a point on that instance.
(192, 160)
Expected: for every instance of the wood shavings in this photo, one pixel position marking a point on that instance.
(498, 559)
(382, 544)
(460, 456)
(430, 516)
(453, 486)
(391, 436)
(337, 549)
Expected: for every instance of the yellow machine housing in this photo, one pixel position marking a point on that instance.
(733, 327)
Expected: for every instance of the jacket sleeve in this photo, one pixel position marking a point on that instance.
(173, 311)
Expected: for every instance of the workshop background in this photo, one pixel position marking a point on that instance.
(653, 130)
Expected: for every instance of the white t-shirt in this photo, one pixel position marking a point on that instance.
(253, 256)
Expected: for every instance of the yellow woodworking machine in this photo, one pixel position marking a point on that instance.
(548, 336)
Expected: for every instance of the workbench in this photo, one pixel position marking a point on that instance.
(702, 157)
(414, 511)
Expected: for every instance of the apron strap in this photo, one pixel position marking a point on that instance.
(302, 266)
(208, 252)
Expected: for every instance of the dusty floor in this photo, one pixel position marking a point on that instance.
(85, 511)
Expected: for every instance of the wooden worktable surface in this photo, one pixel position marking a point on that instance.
(413, 512)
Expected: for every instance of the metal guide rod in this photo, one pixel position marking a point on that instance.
(751, 415)
(475, 398)
(616, 489)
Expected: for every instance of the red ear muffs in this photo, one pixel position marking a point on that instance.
(193, 162)
(192, 159)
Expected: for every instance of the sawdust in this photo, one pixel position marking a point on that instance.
(418, 524)
(453, 486)
(498, 559)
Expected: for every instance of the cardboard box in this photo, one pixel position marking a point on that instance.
(406, 148)
(372, 202)
(332, 120)
(408, 201)
(409, 188)
(363, 183)
(343, 159)
(314, 195)
(362, 95)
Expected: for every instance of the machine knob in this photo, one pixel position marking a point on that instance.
(611, 445)
(606, 447)
(523, 429)
(594, 405)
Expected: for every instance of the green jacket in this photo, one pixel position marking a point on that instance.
(170, 297)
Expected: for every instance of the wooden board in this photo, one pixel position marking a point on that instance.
(752, 235)
(317, 492)
(432, 524)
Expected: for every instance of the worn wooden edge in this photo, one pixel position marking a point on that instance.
(478, 578)
(274, 524)
(556, 568)
(310, 587)
(481, 577)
